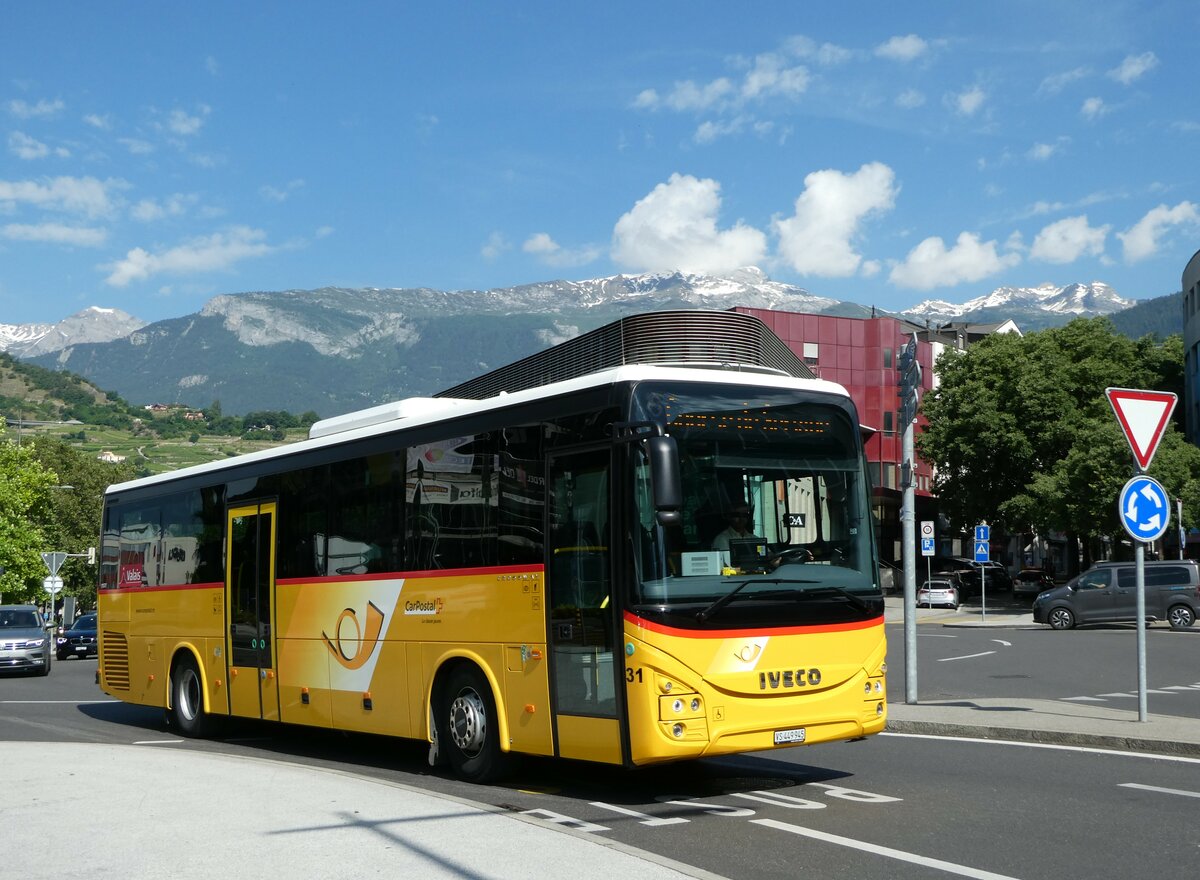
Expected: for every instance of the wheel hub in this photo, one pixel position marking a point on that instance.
(468, 722)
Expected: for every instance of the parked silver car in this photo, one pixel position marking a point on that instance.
(25, 643)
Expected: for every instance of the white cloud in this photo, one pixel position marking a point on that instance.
(23, 146)
(1134, 67)
(24, 110)
(931, 265)
(771, 77)
(550, 252)
(104, 123)
(55, 233)
(211, 253)
(826, 54)
(968, 103)
(819, 238)
(1042, 152)
(75, 195)
(909, 99)
(709, 130)
(211, 65)
(275, 194)
(1143, 239)
(149, 210)
(136, 146)
(1065, 241)
(1055, 83)
(675, 227)
(495, 245)
(907, 48)
(181, 123)
(1093, 108)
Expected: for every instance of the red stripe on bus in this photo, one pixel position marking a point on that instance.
(641, 622)
(117, 591)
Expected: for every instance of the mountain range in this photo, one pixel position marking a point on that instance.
(333, 350)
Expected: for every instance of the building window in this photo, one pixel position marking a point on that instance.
(810, 352)
(887, 358)
(889, 476)
(889, 425)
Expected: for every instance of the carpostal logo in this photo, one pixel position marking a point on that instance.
(423, 607)
(352, 644)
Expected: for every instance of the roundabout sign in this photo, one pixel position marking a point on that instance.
(1144, 509)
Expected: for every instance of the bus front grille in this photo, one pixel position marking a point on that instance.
(114, 648)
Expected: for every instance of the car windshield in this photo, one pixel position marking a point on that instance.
(775, 505)
(18, 619)
(88, 621)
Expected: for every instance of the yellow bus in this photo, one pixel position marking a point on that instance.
(539, 562)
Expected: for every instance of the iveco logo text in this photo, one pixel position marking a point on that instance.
(418, 607)
(788, 678)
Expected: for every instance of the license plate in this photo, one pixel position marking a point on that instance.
(796, 735)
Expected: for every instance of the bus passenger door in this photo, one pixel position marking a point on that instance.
(581, 608)
(250, 589)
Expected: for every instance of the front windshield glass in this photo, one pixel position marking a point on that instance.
(18, 619)
(775, 506)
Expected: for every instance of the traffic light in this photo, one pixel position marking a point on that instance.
(909, 381)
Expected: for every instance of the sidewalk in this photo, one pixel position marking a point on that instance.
(1042, 721)
(148, 811)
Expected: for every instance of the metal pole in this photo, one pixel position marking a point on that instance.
(908, 535)
(1141, 628)
(1179, 519)
(983, 591)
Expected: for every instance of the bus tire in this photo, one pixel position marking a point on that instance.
(186, 712)
(468, 733)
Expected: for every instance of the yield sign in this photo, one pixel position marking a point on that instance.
(1143, 416)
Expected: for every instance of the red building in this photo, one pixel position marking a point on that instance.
(860, 355)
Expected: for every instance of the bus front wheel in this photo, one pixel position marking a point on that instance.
(468, 728)
(187, 700)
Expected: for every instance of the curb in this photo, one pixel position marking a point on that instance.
(1108, 742)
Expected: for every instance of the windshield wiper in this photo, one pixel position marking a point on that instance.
(845, 594)
(722, 601)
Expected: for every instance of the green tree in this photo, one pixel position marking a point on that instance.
(1021, 434)
(72, 518)
(25, 490)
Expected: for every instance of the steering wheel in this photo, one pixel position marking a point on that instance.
(792, 554)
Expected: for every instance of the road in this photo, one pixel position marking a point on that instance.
(1095, 665)
(891, 807)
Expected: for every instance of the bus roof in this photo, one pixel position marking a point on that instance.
(418, 411)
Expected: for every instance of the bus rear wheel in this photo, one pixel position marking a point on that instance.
(186, 712)
(468, 727)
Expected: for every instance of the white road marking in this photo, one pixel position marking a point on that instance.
(965, 656)
(886, 851)
(1179, 759)
(1178, 791)
(1004, 643)
(1134, 695)
(156, 742)
(1085, 699)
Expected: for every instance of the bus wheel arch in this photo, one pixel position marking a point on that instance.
(467, 730)
(186, 696)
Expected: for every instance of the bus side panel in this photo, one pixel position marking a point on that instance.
(694, 696)
(525, 699)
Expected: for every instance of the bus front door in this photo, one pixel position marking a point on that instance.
(250, 589)
(580, 603)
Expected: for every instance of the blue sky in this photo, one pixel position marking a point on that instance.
(154, 155)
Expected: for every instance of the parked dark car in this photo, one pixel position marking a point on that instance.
(1107, 592)
(24, 641)
(79, 640)
(1031, 581)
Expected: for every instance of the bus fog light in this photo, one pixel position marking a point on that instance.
(666, 686)
(879, 687)
(879, 709)
(677, 730)
(695, 704)
(677, 706)
(867, 688)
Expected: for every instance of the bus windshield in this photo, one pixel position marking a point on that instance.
(775, 510)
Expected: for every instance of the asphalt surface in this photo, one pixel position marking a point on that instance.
(136, 811)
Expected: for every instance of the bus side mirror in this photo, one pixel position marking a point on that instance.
(663, 456)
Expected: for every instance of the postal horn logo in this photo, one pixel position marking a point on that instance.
(352, 644)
